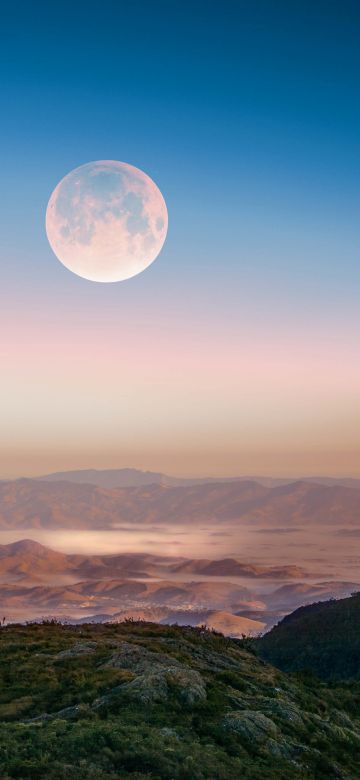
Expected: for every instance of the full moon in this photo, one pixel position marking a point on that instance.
(106, 221)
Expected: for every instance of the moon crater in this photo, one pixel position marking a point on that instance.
(106, 221)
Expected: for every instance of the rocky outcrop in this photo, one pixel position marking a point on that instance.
(79, 649)
(253, 726)
(157, 676)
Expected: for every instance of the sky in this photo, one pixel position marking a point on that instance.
(237, 350)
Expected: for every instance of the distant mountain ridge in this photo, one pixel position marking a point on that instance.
(28, 503)
(128, 477)
(113, 478)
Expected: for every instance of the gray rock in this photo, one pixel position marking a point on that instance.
(155, 686)
(72, 713)
(252, 725)
(76, 650)
(205, 658)
(147, 688)
(284, 710)
(165, 732)
(68, 713)
(139, 659)
(189, 683)
(342, 719)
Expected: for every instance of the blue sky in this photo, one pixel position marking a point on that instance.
(247, 116)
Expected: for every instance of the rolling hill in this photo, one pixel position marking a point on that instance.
(36, 581)
(29, 561)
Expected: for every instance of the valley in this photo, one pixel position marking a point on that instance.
(236, 555)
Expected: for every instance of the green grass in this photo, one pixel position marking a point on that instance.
(184, 730)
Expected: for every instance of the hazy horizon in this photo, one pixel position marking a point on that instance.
(279, 473)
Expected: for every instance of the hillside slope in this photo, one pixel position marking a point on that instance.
(323, 638)
(149, 702)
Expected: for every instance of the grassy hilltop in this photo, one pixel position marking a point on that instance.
(99, 702)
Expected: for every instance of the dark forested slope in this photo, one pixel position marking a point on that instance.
(323, 638)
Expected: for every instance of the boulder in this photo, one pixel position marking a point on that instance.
(284, 710)
(79, 649)
(252, 725)
(138, 659)
(156, 686)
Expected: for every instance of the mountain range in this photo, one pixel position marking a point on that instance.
(29, 503)
(112, 478)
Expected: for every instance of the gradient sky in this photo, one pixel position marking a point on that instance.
(237, 351)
